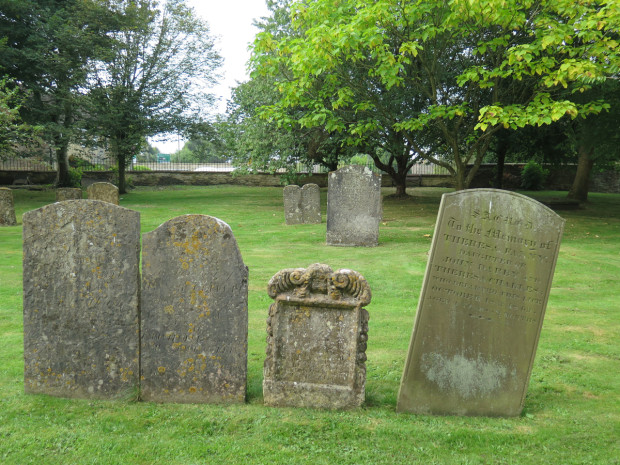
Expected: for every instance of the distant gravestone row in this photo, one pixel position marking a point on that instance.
(353, 206)
(90, 332)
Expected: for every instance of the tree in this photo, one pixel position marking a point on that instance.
(154, 78)
(48, 45)
(15, 134)
(444, 76)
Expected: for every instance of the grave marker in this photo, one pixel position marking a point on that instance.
(194, 313)
(353, 207)
(7, 207)
(316, 338)
(482, 305)
(81, 282)
(302, 205)
(68, 193)
(104, 191)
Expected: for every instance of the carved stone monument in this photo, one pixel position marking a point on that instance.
(353, 207)
(81, 283)
(7, 207)
(194, 313)
(103, 191)
(316, 338)
(302, 205)
(68, 193)
(482, 305)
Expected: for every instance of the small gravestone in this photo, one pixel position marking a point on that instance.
(103, 191)
(194, 313)
(68, 193)
(316, 338)
(482, 305)
(81, 283)
(353, 207)
(302, 205)
(7, 208)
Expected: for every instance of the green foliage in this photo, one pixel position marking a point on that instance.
(437, 77)
(14, 132)
(75, 177)
(573, 390)
(533, 176)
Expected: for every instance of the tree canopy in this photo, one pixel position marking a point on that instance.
(439, 78)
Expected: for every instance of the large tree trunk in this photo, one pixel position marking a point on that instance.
(63, 179)
(400, 183)
(122, 188)
(579, 189)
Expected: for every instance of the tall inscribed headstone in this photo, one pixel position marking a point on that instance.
(194, 313)
(482, 305)
(81, 283)
(316, 338)
(302, 205)
(353, 207)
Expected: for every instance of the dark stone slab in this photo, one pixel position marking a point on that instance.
(353, 207)
(81, 282)
(302, 205)
(316, 338)
(482, 305)
(104, 191)
(7, 207)
(68, 193)
(194, 313)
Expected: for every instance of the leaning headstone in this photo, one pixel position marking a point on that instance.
(7, 207)
(103, 191)
(81, 283)
(302, 205)
(68, 193)
(353, 207)
(194, 313)
(482, 305)
(316, 338)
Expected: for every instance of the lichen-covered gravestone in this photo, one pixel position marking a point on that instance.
(302, 205)
(81, 283)
(353, 207)
(194, 313)
(7, 208)
(68, 193)
(316, 338)
(103, 191)
(482, 305)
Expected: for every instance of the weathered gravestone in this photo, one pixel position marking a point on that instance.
(194, 313)
(103, 191)
(482, 305)
(316, 338)
(353, 207)
(302, 205)
(68, 193)
(7, 208)
(81, 283)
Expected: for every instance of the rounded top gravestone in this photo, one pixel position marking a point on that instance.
(482, 305)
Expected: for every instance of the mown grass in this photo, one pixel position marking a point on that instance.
(572, 409)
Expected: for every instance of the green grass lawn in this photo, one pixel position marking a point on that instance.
(572, 408)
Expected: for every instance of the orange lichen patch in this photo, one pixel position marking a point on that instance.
(161, 369)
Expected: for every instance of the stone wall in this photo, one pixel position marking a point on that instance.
(559, 179)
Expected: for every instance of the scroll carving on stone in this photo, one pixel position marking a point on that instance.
(317, 333)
